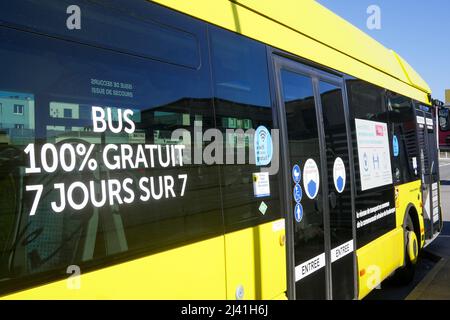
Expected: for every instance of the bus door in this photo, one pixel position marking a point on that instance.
(317, 184)
(429, 164)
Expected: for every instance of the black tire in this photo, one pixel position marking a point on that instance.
(405, 274)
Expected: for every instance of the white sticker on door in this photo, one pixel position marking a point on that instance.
(373, 153)
(339, 175)
(261, 184)
(306, 268)
(311, 179)
(341, 251)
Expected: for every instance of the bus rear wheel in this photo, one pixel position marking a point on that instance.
(405, 274)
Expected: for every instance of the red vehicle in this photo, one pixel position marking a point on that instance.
(444, 127)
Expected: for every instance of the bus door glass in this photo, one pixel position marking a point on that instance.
(317, 184)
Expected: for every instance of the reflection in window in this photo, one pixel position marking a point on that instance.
(106, 27)
(18, 109)
(164, 97)
(242, 104)
(240, 69)
(67, 113)
(403, 129)
(16, 117)
(444, 119)
(16, 130)
(303, 140)
(368, 102)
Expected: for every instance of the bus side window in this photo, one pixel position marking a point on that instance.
(367, 102)
(67, 81)
(242, 103)
(403, 135)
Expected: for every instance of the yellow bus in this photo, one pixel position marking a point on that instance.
(207, 150)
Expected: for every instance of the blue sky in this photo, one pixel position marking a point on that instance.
(417, 30)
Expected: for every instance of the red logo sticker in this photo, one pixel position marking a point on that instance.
(379, 130)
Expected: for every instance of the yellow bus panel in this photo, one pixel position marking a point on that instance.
(195, 271)
(378, 259)
(256, 261)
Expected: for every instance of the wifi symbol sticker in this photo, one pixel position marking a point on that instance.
(263, 135)
(263, 146)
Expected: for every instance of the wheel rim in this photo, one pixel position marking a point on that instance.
(412, 246)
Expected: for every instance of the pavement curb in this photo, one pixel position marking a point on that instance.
(423, 285)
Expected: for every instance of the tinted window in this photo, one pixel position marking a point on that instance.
(304, 148)
(105, 24)
(444, 119)
(341, 223)
(374, 202)
(126, 192)
(241, 88)
(404, 139)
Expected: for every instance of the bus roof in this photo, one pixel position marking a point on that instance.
(309, 30)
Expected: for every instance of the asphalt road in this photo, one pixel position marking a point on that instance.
(431, 255)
